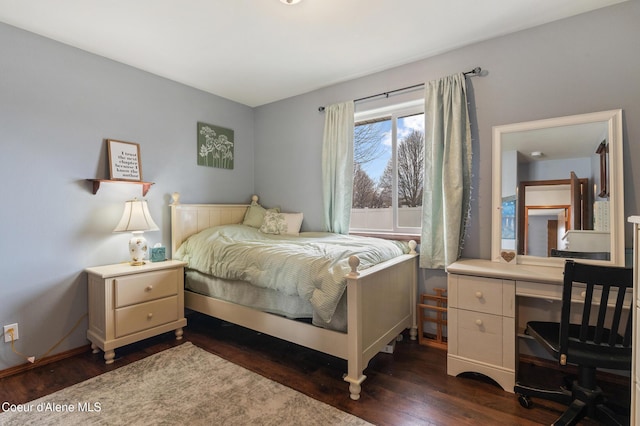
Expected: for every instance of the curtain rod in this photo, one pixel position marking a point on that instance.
(474, 72)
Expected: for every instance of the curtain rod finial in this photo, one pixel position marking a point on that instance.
(477, 71)
(321, 109)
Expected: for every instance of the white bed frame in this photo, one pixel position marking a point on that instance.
(381, 300)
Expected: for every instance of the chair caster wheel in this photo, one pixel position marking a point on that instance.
(525, 401)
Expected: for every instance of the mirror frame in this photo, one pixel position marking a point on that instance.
(616, 196)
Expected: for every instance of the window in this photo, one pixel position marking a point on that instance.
(388, 170)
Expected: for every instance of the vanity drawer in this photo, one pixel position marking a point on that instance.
(480, 336)
(132, 319)
(144, 287)
(554, 292)
(479, 294)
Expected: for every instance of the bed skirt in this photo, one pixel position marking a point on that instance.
(263, 299)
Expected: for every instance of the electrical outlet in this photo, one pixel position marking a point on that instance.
(7, 336)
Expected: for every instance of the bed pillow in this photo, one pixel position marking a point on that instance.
(255, 215)
(281, 223)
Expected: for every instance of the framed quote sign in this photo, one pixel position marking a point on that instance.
(124, 160)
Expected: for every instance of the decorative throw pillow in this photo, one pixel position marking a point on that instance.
(255, 215)
(281, 223)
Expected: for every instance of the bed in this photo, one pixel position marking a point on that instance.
(379, 305)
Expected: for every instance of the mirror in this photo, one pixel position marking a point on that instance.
(558, 190)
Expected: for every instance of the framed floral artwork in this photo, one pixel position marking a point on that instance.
(215, 146)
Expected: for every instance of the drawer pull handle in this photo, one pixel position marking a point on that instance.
(149, 288)
(149, 315)
(479, 322)
(479, 294)
(583, 294)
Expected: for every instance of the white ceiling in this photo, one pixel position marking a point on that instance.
(259, 51)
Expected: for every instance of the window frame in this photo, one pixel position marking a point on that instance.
(392, 112)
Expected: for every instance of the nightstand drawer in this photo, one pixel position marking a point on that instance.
(480, 336)
(144, 287)
(145, 315)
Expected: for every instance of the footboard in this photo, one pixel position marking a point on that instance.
(381, 304)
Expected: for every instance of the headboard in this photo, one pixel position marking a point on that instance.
(188, 219)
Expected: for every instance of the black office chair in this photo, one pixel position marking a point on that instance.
(601, 340)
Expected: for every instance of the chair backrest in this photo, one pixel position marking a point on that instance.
(606, 321)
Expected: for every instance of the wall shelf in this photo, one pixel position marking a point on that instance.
(97, 182)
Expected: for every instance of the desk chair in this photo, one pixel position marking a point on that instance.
(601, 340)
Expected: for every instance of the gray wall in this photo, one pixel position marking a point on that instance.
(583, 64)
(57, 104)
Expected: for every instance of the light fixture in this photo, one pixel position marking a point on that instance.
(290, 2)
(537, 154)
(136, 219)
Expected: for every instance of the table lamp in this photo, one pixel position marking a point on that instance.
(136, 219)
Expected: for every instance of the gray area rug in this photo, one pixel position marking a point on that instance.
(182, 385)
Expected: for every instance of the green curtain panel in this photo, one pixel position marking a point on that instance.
(447, 188)
(337, 166)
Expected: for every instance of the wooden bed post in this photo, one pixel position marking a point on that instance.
(413, 331)
(355, 362)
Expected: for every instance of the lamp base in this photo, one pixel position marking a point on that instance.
(137, 249)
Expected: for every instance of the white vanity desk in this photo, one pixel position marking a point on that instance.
(483, 314)
(490, 301)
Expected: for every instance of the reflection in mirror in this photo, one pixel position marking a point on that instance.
(546, 226)
(558, 192)
(571, 195)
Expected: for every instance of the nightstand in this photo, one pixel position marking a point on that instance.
(130, 303)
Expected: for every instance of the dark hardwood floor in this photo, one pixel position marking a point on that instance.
(410, 387)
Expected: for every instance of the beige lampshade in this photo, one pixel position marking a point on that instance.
(136, 217)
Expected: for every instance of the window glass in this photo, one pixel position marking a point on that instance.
(388, 171)
(410, 170)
